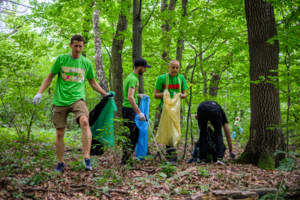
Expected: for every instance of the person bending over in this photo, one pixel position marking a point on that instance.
(213, 112)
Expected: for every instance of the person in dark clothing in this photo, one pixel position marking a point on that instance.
(213, 112)
(130, 107)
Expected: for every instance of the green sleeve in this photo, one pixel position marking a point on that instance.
(159, 84)
(184, 86)
(90, 71)
(132, 84)
(56, 66)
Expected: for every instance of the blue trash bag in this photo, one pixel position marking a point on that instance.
(241, 130)
(142, 144)
(233, 135)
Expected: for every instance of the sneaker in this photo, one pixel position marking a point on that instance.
(220, 162)
(191, 160)
(60, 167)
(88, 165)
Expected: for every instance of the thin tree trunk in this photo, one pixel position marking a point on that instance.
(164, 6)
(264, 97)
(137, 37)
(98, 52)
(116, 64)
(87, 25)
(214, 85)
(180, 42)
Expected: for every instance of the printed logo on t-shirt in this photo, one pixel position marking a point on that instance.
(72, 74)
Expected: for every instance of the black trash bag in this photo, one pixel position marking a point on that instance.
(97, 148)
(211, 147)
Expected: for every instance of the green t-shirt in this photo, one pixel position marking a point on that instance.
(173, 85)
(71, 78)
(132, 81)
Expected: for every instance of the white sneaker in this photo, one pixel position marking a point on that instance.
(219, 162)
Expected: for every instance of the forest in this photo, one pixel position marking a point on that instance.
(241, 54)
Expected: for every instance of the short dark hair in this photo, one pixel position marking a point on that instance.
(79, 38)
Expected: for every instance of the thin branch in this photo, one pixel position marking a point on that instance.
(150, 15)
(20, 4)
(106, 49)
(208, 57)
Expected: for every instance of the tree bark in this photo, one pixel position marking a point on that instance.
(264, 97)
(98, 52)
(165, 27)
(137, 37)
(180, 42)
(116, 64)
(87, 25)
(214, 85)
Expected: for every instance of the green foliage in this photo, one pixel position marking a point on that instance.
(203, 172)
(78, 164)
(288, 163)
(282, 189)
(108, 176)
(168, 169)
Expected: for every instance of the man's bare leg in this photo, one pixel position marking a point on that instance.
(60, 144)
(86, 136)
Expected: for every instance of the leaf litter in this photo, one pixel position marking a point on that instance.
(148, 179)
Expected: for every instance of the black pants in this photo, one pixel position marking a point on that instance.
(209, 112)
(128, 115)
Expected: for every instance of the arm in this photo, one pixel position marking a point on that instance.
(158, 94)
(46, 82)
(132, 101)
(96, 86)
(183, 96)
(228, 137)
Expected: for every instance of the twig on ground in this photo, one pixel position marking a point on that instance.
(81, 187)
(31, 196)
(149, 171)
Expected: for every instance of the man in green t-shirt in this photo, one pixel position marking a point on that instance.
(130, 107)
(175, 81)
(72, 69)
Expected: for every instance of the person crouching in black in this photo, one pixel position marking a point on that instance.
(213, 112)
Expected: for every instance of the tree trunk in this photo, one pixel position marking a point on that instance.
(265, 104)
(137, 37)
(214, 85)
(166, 29)
(98, 53)
(180, 42)
(87, 25)
(164, 6)
(116, 64)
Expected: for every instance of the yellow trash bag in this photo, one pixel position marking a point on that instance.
(169, 132)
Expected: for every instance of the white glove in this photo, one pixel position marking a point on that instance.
(142, 117)
(143, 95)
(109, 94)
(37, 98)
(232, 155)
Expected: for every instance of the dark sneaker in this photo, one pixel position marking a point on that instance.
(88, 165)
(60, 167)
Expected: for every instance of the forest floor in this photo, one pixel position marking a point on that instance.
(27, 173)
